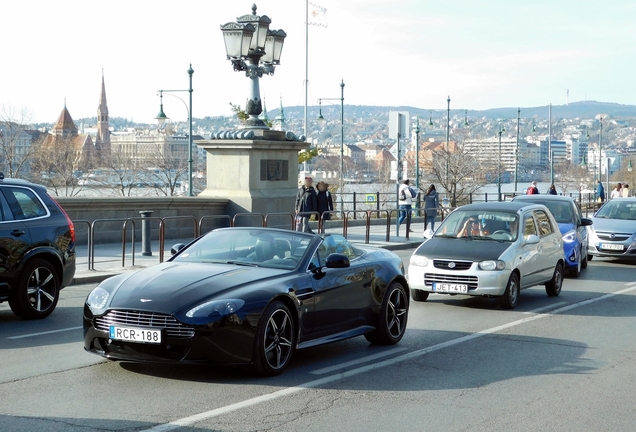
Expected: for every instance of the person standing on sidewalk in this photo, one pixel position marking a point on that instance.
(306, 202)
(600, 191)
(625, 191)
(405, 198)
(431, 203)
(325, 202)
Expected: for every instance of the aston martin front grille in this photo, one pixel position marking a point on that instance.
(173, 328)
(471, 281)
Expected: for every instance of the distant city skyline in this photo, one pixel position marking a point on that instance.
(482, 53)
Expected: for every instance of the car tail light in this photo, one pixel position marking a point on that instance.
(71, 226)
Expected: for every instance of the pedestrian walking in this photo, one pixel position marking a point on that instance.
(306, 202)
(325, 202)
(625, 191)
(431, 204)
(600, 191)
(405, 198)
(552, 190)
(617, 192)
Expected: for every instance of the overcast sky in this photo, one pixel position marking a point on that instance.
(483, 53)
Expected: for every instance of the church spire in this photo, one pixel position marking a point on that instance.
(280, 118)
(103, 132)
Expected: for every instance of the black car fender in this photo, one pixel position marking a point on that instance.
(47, 253)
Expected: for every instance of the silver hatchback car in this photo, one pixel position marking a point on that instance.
(491, 250)
(613, 233)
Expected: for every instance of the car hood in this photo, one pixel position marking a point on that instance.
(462, 249)
(168, 287)
(614, 225)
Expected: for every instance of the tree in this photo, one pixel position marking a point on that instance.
(58, 161)
(167, 168)
(457, 171)
(307, 155)
(569, 177)
(124, 172)
(16, 147)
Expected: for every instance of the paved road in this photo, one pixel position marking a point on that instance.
(564, 363)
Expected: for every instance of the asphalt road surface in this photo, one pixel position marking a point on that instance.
(557, 364)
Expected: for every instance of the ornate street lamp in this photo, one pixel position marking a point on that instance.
(630, 167)
(255, 49)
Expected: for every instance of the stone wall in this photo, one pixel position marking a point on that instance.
(90, 209)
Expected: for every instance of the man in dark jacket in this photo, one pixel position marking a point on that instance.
(306, 202)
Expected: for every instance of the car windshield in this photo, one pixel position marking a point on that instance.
(617, 209)
(480, 225)
(249, 247)
(562, 211)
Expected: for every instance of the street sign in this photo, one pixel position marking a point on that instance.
(370, 198)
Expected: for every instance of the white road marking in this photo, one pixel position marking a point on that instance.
(545, 308)
(189, 421)
(44, 333)
(357, 361)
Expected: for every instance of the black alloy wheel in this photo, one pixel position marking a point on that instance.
(275, 340)
(393, 317)
(38, 291)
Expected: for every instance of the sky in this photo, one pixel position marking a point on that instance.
(481, 53)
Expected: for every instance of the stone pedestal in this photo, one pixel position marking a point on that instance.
(256, 170)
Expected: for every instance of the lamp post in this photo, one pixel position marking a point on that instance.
(447, 136)
(254, 49)
(321, 118)
(499, 167)
(162, 117)
(630, 167)
(517, 149)
(417, 152)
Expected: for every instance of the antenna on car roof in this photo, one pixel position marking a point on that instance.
(1, 176)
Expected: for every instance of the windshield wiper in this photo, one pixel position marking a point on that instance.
(445, 236)
(242, 263)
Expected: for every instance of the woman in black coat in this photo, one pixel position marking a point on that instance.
(325, 202)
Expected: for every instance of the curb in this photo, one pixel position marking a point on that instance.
(93, 278)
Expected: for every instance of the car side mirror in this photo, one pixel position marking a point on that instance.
(532, 239)
(336, 260)
(586, 222)
(177, 248)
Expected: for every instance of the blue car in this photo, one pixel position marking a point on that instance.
(572, 226)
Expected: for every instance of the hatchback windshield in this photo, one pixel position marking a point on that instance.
(617, 209)
(480, 225)
(249, 247)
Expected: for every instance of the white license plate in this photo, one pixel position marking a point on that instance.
(450, 288)
(132, 334)
(610, 246)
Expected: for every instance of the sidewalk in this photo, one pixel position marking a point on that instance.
(108, 257)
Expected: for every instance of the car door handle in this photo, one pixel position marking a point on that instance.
(17, 233)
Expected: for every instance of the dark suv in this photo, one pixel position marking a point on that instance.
(37, 249)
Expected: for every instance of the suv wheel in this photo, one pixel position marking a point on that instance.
(37, 292)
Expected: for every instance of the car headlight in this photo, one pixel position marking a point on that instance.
(215, 308)
(569, 236)
(419, 260)
(97, 300)
(492, 265)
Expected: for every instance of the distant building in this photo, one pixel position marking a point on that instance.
(149, 146)
(66, 135)
(487, 151)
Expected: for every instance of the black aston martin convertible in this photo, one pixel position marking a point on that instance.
(248, 296)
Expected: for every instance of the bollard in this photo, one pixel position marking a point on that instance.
(145, 233)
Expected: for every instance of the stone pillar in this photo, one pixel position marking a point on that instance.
(256, 170)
